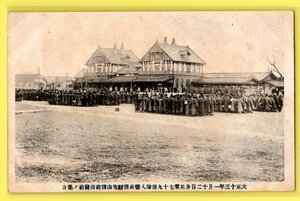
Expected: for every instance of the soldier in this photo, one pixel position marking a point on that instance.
(160, 102)
(155, 104)
(182, 106)
(136, 103)
(186, 106)
(177, 105)
(173, 104)
(217, 103)
(164, 104)
(194, 106)
(239, 106)
(272, 104)
(212, 104)
(280, 101)
(150, 106)
(267, 104)
(233, 107)
(201, 106)
(18, 95)
(207, 105)
(146, 103)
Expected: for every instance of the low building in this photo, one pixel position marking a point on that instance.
(60, 82)
(30, 81)
(253, 82)
(79, 76)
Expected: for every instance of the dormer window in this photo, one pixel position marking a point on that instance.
(184, 53)
(125, 56)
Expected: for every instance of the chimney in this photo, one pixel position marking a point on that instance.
(173, 41)
(122, 48)
(115, 48)
(38, 70)
(166, 40)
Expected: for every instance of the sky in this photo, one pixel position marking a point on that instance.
(61, 43)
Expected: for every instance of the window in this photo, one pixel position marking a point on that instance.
(188, 68)
(157, 66)
(169, 66)
(193, 68)
(201, 68)
(99, 69)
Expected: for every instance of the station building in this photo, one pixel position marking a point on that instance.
(165, 65)
(105, 63)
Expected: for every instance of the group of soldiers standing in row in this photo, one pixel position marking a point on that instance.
(76, 97)
(201, 105)
(89, 97)
(30, 94)
(188, 104)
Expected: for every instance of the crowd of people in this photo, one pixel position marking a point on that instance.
(76, 97)
(203, 102)
(89, 98)
(200, 105)
(30, 94)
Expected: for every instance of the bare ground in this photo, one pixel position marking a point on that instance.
(76, 144)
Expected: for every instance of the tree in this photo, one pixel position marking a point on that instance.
(273, 64)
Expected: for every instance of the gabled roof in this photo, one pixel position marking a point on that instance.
(92, 78)
(257, 75)
(128, 70)
(175, 52)
(58, 79)
(112, 55)
(33, 77)
(121, 79)
(225, 80)
(277, 83)
(81, 73)
(153, 78)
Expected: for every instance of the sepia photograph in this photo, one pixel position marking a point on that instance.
(151, 101)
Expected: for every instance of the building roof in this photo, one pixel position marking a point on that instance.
(153, 78)
(128, 70)
(81, 73)
(58, 79)
(121, 79)
(112, 55)
(226, 80)
(176, 53)
(277, 83)
(33, 77)
(257, 75)
(94, 78)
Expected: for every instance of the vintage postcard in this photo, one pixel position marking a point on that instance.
(151, 101)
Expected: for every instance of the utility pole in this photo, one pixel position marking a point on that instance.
(66, 80)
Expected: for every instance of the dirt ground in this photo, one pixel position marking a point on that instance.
(76, 144)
